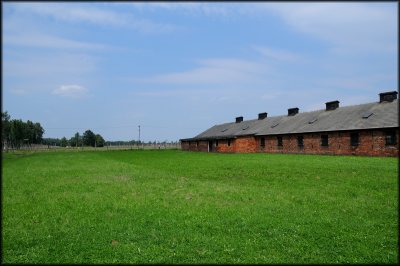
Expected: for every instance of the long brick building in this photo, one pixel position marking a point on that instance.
(367, 129)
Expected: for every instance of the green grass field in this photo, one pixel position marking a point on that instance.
(171, 206)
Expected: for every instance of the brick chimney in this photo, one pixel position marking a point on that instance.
(261, 116)
(293, 111)
(387, 96)
(239, 119)
(332, 105)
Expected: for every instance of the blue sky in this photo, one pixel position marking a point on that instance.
(177, 69)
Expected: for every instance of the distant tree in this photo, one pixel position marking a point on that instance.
(52, 141)
(5, 130)
(15, 132)
(99, 141)
(64, 142)
(89, 138)
(38, 133)
(75, 141)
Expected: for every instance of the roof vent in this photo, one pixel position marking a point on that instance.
(275, 124)
(387, 96)
(293, 111)
(332, 105)
(245, 127)
(225, 129)
(312, 120)
(261, 116)
(239, 119)
(367, 114)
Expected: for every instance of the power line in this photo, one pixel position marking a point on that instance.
(122, 126)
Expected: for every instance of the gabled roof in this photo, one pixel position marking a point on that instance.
(355, 117)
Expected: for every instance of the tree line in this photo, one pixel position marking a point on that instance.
(88, 138)
(15, 132)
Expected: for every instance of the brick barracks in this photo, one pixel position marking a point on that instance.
(370, 129)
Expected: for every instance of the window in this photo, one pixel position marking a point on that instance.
(354, 139)
(280, 141)
(216, 143)
(324, 140)
(197, 143)
(262, 142)
(390, 138)
(300, 142)
(229, 142)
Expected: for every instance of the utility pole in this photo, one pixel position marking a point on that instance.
(139, 133)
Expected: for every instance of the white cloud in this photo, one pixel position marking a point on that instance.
(18, 91)
(47, 41)
(351, 27)
(347, 27)
(277, 54)
(215, 71)
(49, 65)
(73, 91)
(73, 13)
(190, 8)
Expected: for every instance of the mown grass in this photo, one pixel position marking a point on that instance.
(181, 207)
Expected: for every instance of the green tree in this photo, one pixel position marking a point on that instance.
(99, 141)
(5, 130)
(64, 142)
(76, 141)
(38, 133)
(89, 138)
(17, 133)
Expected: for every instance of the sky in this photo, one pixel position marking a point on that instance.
(176, 69)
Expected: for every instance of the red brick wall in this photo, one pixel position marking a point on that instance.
(245, 144)
(371, 143)
(195, 145)
(185, 145)
(224, 147)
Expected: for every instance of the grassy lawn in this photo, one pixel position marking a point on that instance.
(169, 206)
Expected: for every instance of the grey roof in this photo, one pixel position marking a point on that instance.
(377, 115)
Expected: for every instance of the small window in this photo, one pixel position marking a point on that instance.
(300, 142)
(312, 120)
(197, 144)
(262, 142)
(280, 141)
(229, 142)
(245, 127)
(216, 143)
(354, 139)
(225, 129)
(391, 138)
(274, 125)
(324, 141)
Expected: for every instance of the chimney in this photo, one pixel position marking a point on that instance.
(387, 96)
(261, 116)
(332, 105)
(239, 119)
(293, 111)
